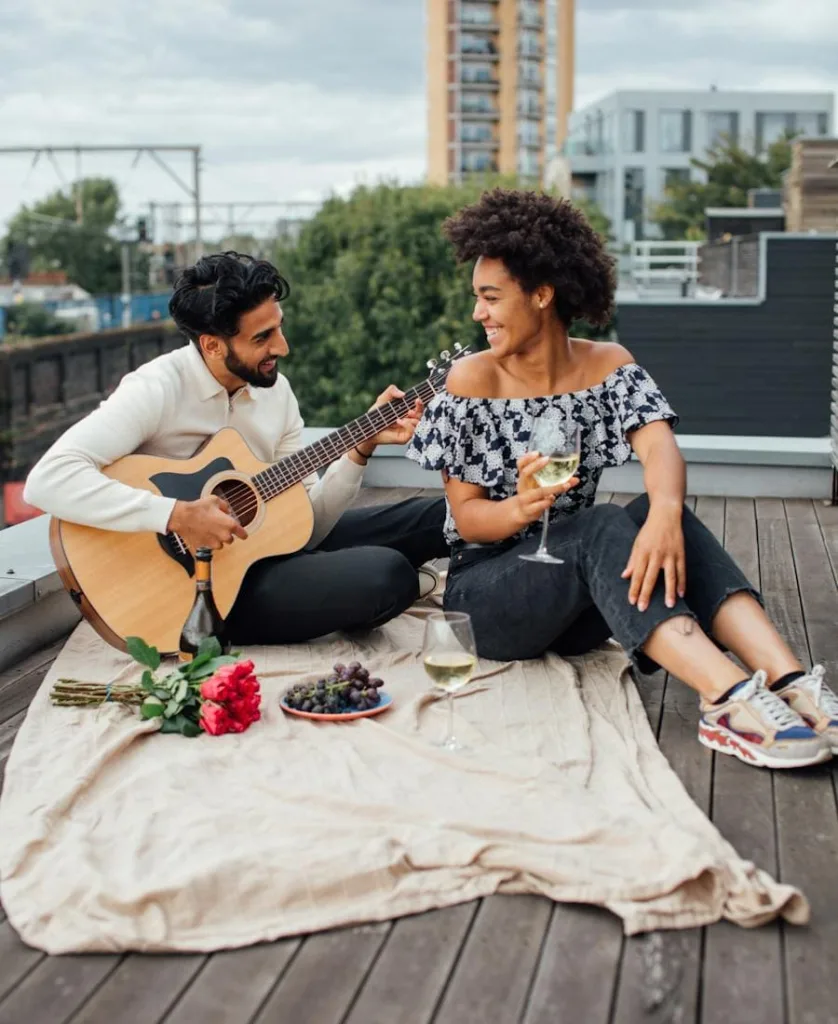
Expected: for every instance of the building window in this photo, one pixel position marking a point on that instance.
(529, 44)
(772, 126)
(529, 134)
(529, 13)
(470, 43)
(633, 197)
(676, 131)
(481, 73)
(634, 131)
(722, 126)
(477, 103)
(476, 14)
(675, 175)
(810, 124)
(480, 132)
(476, 162)
(529, 73)
(528, 163)
(529, 104)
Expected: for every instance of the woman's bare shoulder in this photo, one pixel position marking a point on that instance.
(601, 358)
(475, 376)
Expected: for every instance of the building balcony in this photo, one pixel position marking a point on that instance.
(489, 144)
(484, 83)
(478, 115)
(490, 53)
(477, 26)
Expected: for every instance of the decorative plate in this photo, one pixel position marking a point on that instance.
(348, 716)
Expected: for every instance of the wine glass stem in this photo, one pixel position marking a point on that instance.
(449, 738)
(542, 547)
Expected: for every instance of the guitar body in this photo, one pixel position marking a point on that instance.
(141, 584)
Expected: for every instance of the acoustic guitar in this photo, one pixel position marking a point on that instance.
(141, 584)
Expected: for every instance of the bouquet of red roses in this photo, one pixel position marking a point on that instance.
(214, 693)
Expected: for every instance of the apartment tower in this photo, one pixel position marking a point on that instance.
(500, 86)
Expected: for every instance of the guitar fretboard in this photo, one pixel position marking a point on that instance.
(296, 467)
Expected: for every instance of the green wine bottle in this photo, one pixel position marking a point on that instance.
(204, 620)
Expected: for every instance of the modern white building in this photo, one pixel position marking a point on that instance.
(625, 149)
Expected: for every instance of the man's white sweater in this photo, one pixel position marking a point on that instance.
(169, 407)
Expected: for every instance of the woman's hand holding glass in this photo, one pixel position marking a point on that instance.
(532, 500)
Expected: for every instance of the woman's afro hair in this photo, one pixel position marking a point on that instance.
(541, 240)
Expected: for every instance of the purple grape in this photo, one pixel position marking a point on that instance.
(354, 666)
(318, 709)
(354, 696)
(307, 705)
(338, 668)
(363, 674)
(377, 683)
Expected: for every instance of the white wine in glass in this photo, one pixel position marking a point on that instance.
(558, 438)
(449, 656)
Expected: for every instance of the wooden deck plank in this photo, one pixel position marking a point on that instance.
(744, 969)
(492, 978)
(807, 822)
(16, 959)
(19, 683)
(233, 985)
(575, 975)
(56, 988)
(410, 974)
(660, 972)
(8, 731)
(324, 977)
(141, 989)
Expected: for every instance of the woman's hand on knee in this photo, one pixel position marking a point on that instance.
(532, 500)
(658, 546)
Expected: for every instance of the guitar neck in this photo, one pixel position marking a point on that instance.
(315, 456)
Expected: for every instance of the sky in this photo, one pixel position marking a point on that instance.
(295, 99)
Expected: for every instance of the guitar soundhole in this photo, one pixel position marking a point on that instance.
(242, 499)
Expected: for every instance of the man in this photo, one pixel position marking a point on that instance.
(360, 566)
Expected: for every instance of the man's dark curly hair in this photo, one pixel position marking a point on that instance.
(541, 240)
(211, 296)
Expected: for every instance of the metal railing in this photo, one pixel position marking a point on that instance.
(657, 266)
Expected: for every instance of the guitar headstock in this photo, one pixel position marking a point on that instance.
(441, 367)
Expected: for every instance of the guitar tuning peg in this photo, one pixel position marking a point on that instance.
(431, 364)
(445, 355)
(458, 347)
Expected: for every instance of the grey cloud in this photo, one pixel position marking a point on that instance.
(371, 46)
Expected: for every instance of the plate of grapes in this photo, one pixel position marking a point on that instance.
(346, 693)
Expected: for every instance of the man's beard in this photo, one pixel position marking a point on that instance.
(250, 374)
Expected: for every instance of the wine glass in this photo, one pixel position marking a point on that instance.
(559, 438)
(449, 655)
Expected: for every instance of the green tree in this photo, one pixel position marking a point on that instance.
(88, 251)
(731, 171)
(375, 293)
(29, 320)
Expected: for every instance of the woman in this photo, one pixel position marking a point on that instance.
(650, 574)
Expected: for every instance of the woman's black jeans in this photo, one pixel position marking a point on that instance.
(522, 609)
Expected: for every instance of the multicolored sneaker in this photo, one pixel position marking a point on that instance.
(816, 704)
(760, 728)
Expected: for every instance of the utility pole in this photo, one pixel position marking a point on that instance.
(196, 191)
(154, 151)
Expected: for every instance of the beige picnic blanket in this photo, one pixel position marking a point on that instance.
(115, 838)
